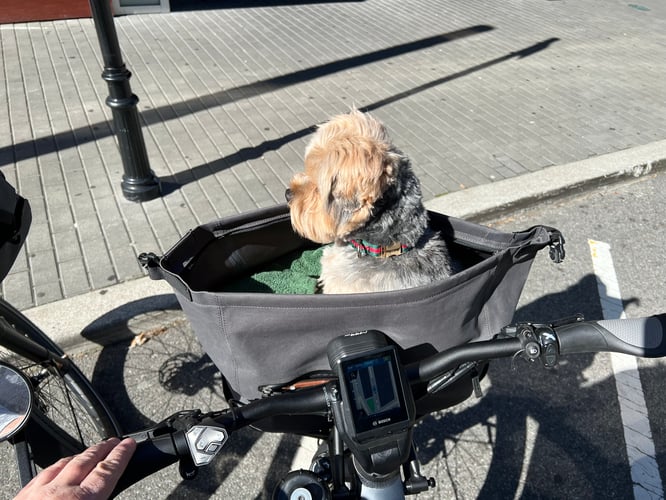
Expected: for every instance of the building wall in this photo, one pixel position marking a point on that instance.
(15, 11)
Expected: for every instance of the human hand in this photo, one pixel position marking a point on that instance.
(92, 474)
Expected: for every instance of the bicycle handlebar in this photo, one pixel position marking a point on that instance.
(643, 337)
(151, 455)
(165, 443)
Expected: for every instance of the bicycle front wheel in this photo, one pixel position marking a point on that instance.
(68, 416)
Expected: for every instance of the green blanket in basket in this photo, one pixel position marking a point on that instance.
(295, 273)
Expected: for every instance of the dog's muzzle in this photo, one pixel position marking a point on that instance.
(288, 195)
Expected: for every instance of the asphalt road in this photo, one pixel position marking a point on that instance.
(534, 434)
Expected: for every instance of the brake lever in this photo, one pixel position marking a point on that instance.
(539, 340)
(167, 426)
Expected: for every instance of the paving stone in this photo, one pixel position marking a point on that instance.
(43, 267)
(125, 262)
(67, 245)
(73, 277)
(16, 288)
(98, 263)
(39, 238)
(47, 292)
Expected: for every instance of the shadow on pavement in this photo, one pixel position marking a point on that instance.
(179, 179)
(72, 138)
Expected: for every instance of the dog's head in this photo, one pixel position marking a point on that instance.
(349, 163)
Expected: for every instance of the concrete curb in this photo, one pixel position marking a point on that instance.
(141, 305)
(480, 202)
(116, 312)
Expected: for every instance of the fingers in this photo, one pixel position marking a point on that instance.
(45, 476)
(93, 473)
(82, 464)
(104, 477)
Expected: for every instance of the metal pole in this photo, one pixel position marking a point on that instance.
(139, 182)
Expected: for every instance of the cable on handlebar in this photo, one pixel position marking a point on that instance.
(303, 402)
(427, 370)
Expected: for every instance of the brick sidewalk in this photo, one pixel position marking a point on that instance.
(474, 92)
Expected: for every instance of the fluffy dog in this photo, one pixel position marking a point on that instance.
(359, 192)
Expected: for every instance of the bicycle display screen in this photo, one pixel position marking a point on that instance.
(374, 391)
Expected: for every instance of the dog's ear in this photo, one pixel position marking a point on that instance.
(354, 175)
(392, 162)
(340, 208)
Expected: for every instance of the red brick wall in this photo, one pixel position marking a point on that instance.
(15, 11)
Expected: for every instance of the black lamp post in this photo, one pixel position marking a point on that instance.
(139, 182)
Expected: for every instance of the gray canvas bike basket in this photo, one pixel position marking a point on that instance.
(258, 339)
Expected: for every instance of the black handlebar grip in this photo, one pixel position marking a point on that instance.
(642, 337)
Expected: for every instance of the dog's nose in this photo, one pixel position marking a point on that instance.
(288, 194)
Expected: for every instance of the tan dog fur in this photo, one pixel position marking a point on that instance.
(356, 184)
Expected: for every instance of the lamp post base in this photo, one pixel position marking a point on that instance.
(141, 189)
